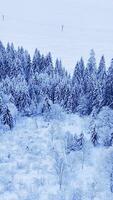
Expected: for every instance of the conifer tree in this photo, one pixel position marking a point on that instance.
(109, 86)
(78, 84)
(101, 77)
(49, 64)
(58, 68)
(91, 85)
(36, 62)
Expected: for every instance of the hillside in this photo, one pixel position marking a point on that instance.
(35, 164)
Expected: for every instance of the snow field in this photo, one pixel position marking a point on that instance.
(34, 165)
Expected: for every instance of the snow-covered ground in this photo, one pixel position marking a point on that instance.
(34, 165)
(87, 25)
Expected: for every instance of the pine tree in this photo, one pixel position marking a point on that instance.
(7, 118)
(91, 85)
(27, 69)
(83, 105)
(58, 68)
(36, 62)
(109, 86)
(2, 61)
(16, 68)
(101, 73)
(78, 84)
(101, 77)
(20, 93)
(49, 64)
(10, 57)
(94, 137)
(91, 66)
(5, 115)
(78, 76)
(74, 143)
(2, 67)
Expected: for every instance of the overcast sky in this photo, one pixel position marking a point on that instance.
(84, 11)
(37, 23)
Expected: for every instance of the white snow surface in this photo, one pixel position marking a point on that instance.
(30, 157)
(87, 24)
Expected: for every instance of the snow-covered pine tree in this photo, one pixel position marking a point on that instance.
(2, 61)
(58, 68)
(49, 64)
(78, 75)
(91, 86)
(78, 84)
(21, 95)
(101, 77)
(27, 69)
(25, 60)
(5, 115)
(10, 57)
(16, 68)
(111, 140)
(36, 62)
(109, 86)
(94, 137)
(67, 97)
(74, 143)
(7, 118)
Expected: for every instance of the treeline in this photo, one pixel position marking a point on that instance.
(29, 83)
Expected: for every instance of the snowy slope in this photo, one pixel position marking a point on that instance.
(30, 158)
(87, 24)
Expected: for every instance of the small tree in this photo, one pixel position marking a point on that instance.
(94, 137)
(74, 143)
(5, 115)
(46, 105)
(60, 167)
(111, 140)
(7, 118)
